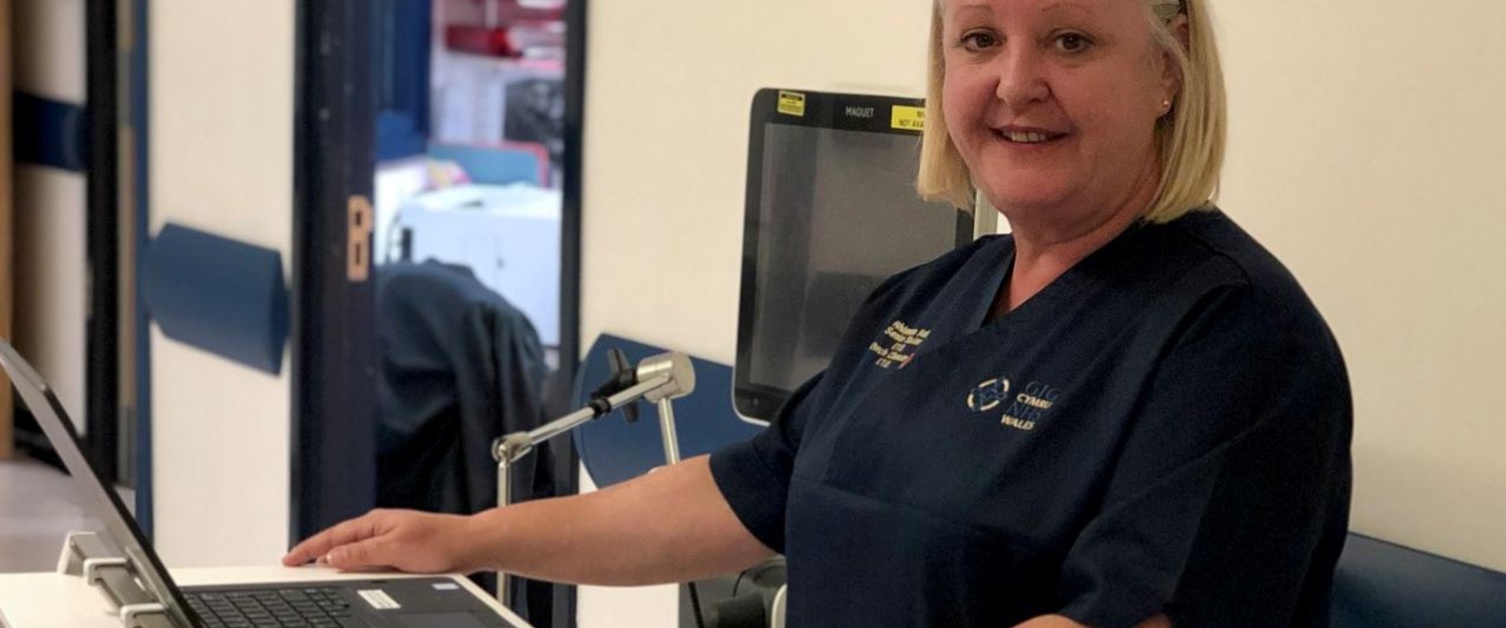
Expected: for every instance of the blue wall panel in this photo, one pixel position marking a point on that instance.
(220, 295)
(49, 132)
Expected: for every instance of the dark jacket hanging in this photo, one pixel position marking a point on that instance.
(460, 366)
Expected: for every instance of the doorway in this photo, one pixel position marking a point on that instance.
(437, 141)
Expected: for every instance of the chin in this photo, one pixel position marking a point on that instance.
(1025, 198)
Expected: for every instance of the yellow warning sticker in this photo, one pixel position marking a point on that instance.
(792, 104)
(908, 118)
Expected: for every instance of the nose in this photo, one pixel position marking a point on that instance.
(1022, 80)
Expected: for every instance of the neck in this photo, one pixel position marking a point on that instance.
(1044, 251)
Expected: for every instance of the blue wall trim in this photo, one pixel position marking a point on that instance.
(48, 132)
(219, 295)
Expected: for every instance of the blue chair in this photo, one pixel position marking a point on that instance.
(614, 450)
(1385, 585)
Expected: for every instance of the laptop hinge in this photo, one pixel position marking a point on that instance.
(87, 556)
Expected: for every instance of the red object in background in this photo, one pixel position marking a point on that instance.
(515, 40)
(479, 40)
(506, 28)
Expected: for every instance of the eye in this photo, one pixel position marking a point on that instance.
(979, 40)
(1072, 42)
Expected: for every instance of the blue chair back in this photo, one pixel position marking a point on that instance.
(1384, 585)
(614, 450)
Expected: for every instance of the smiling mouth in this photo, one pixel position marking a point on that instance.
(1028, 137)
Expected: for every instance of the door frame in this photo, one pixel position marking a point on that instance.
(333, 466)
(103, 334)
(334, 361)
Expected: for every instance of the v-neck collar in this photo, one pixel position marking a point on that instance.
(1002, 263)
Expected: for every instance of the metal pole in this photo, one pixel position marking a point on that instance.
(509, 449)
(504, 497)
(667, 431)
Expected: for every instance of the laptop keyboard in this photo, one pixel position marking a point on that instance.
(271, 608)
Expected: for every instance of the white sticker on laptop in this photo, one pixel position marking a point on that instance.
(446, 586)
(378, 599)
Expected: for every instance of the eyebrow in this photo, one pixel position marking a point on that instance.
(975, 6)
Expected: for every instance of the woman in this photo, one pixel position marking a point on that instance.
(1126, 413)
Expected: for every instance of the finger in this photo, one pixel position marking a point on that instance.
(303, 552)
(311, 548)
(320, 544)
(373, 553)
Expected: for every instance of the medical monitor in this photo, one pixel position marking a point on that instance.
(831, 211)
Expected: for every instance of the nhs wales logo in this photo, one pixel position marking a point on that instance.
(988, 394)
(1022, 409)
(1030, 406)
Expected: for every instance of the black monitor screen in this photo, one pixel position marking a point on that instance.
(832, 211)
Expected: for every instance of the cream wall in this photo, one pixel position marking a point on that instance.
(1368, 150)
(221, 161)
(669, 87)
(51, 259)
(668, 93)
(1366, 147)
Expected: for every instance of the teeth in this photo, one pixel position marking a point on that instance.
(1026, 138)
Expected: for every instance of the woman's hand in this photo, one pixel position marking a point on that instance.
(405, 540)
(672, 525)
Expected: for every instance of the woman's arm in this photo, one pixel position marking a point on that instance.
(671, 525)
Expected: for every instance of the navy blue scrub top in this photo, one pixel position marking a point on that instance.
(1163, 429)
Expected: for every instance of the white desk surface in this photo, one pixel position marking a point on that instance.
(53, 600)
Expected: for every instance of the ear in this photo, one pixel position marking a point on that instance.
(1171, 72)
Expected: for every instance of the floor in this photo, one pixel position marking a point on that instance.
(38, 508)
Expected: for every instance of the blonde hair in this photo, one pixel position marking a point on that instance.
(1190, 139)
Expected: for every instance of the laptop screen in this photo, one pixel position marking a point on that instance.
(99, 500)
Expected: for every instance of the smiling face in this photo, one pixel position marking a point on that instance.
(1053, 104)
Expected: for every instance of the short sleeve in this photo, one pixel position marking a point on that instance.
(754, 475)
(1228, 502)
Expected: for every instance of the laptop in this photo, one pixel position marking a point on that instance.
(421, 602)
